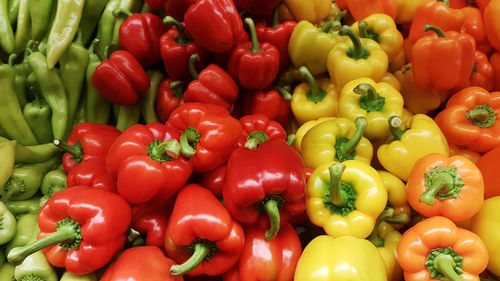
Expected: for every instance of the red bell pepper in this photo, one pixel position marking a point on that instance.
(482, 73)
(278, 34)
(214, 24)
(208, 133)
(268, 182)
(121, 79)
(254, 65)
(492, 23)
(495, 64)
(86, 141)
(177, 8)
(176, 48)
(257, 128)
(140, 35)
(81, 229)
(213, 85)
(213, 180)
(260, 8)
(361, 9)
(147, 168)
(170, 96)
(156, 4)
(145, 263)
(151, 220)
(91, 172)
(203, 236)
(275, 104)
(263, 260)
(474, 26)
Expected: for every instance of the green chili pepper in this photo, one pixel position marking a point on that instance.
(13, 9)
(72, 67)
(26, 180)
(92, 11)
(22, 70)
(30, 206)
(146, 9)
(53, 92)
(81, 113)
(7, 224)
(40, 11)
(33, 154)
(7, 156)
(127, 116)
(6, 33)
(37, 113)
(23, 29)
(7, 272)
(132, 6)
(26, 231)
(11, 116)
(148, 102)
(68, 276)
(107, 22)
(35, 267)
(98, 106)
(53, 182)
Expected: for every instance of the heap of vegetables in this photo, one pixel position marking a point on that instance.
(249, 140)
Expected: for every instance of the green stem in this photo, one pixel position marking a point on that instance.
(182, 38)
(362, 26)
(192, 69)
(284, 93)
(327, 27)
(188, 140)
(447, 3)
(11, 60)
(290, 139)
(445, 265)
(272, 210)
(253, 34)
(276, 18)
(255, 139)
(199, 254)
(401, 218)
(75, 150)
(176, 86)
(482, 115)
(436, 29)
(374, 237)
(336, 171)
(348, 147)
(442, 183)
(121, 12)
(315, 93)
(394, 124)
(370, 100)
(358, 50)
(164, 151)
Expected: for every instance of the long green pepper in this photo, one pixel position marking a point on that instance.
(7, 157)
(7, 272)
(107, 21)
(98, 107)
(127, 116)
(53, 182)
(13, 9)
(6, 32)
(149, 99)
(23, 207)
(26, 231)
(38, 114)
(92, 11)
(23, 29)
(32, 154)
(8, 224)
(40, 17)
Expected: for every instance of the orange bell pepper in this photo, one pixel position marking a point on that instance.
(467, 153)
(361, 9)
(488, 165)
(495, 64)
(457, 4)
(442, 61)
(473, 24)
(481, 75)
(470, 119)
(445, 186)
(436, 249)
(492, 23)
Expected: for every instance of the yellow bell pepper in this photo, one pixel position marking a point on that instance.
(382, 29)
(396, 199)
(306, 37)
(355, 58)
(405, 10)
(338, 140)
(341, 259)
(345, 198)
(416, 100)
(375, 101)
(422, 136)
(334, 14)
(312, 10)
(304, 128)
(314, 99)
(392, 80)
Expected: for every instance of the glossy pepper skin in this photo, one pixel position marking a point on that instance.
(345, 199)
(214, 25)
(490, 16)
(177, 8)
(452, 51)
(474, 25)
(151, 220)
(396, 198)
(275, 104)
(170, 96)
(405, 10)
(207, 229)
(470, 119)
(267, 260)
(147, 165)
(482, 73)
(86, 141)
(92, 172)
(311, 11)
(9, 224)
(337, 255)
(336, 139)
(141, 264)
(209, 130)
(436, 248)
(488, 164)
(420, 137)
(361, 9)
(140, 35)
(80, 216)
(270, 178)
(261, 126)
(262, 8)
(121, 79)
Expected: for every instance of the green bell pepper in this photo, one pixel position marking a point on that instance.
(7, 224)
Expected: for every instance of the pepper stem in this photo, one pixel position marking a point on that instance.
(442, 183)
(273, 211)
(315, 93)
(401, 218)
(68, 230)
(445, 265)
(11, 60)
(362, 25)
(394, 124)
(255, 139)
(192, 69)
(253, 34)
(440, 33)
(482, 115)
(290, 139)
(188, 140)
(284, 93)
(374, 237)
(370, 100)
(182, 38)
(121, 12)
(200, 252)
(276, 18)
(75, 150)
(164, 151)
(348, 147)
(447, 3)
(176, 86)
(358, 52)
(14, 187)
(336, 171)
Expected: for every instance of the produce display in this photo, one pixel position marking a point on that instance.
(245, 140)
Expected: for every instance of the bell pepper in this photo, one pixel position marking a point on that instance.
(176, 48)
(345, 198)
(203, 237)
(495, 64)
(121, 79)
(311, 11)
(453, 51)
(208, 133)
(337, 139)
(260, 8)
(275, 104)
(382, 29)
(433, 12)
(170, 96)
(390, 79)
(140, 264)
(267, 260)
(34, 267)
(469, 154)
(416, 100)
(68, 276)
(314, 99)
(405, 10)
(488, 164)
(396, 200)
(140, 35)
(454, 181)
(436, 249)
(473, 24)
(86, 141)
(482, 73)
(52, 182)
(356, 58)
(213, 85)
(327, 258)
(7, 156)
(8, 224)
(151, 220)
(360, 9)
(268, 182)
(213, 180)
(214, 25)
(254, 65)
(376, 102)
(485, 224)
(258, 128)
(490, 17)
(82, 247)
(177, 8)
(470, 119)
(92, 172)
(138, 156)
(420, 137)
